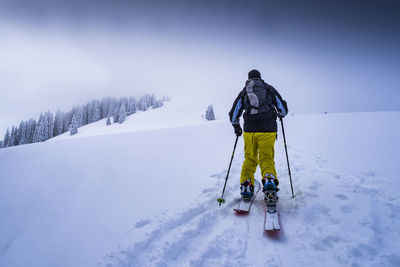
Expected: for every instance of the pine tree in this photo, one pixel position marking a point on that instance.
(38, 135)
(73, 128)
(17, 134)
(85, 113)
(96, 111)
(105, 103)
(155, 104)
(132, 106)
(111, 107)
(90, 112)
(13, 137)
(7, 138)
(116, 113)
(124, 101)
(122, 114)
(143, 103)
(68, 119)
(108, 122)
(30, 131)
(153, 101)
(210, 113)
(158, 103)
(22, 133)
(49, 125)
(45, 129)
(79, 117)
(58, 123)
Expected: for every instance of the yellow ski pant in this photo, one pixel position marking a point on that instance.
(258, 150)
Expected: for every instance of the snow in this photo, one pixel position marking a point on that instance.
(179, 115)
(143, 193)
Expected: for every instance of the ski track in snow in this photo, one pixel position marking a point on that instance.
(321, 224)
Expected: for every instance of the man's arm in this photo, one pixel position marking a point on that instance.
(237, 109)
(280, 104)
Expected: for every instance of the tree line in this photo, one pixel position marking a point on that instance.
(49, 126)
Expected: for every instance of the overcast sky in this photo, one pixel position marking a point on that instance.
(335, 56)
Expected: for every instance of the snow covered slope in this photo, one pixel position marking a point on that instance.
(168, 116)
(143, 193)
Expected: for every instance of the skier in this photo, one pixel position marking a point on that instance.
(262, 104)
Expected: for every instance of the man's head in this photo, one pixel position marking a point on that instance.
(254, 74)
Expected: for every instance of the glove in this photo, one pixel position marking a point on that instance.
(238, 129)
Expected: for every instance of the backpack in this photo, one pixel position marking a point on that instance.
(258, 100)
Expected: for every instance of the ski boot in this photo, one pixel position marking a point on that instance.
(270, 190)
(247, 190)
(270, 183)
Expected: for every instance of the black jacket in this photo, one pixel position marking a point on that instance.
(261, 122)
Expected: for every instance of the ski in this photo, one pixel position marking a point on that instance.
(271, 220)
(244, 206)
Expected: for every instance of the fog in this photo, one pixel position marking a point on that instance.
(331, 56)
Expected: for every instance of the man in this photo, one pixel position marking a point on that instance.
(262, 104)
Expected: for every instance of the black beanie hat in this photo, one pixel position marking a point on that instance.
(254, 74)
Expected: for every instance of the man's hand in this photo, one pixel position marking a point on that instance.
(238, 129)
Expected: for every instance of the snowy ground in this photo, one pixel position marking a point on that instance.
(144, 194)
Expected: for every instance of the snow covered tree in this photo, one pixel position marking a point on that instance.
(73, 128)
(152, 101)
(116, 113)
(94, 111)
(131, 106)
(111, 108)
(104, 108)
(22, 133)
(142, 105)
(210, 113)
(58, 123)
(96, 116)
(49, 125)
(85, 112)
(30, 131)
(108, 121)
(90, 112)
(35, 136)
(124, 101)
(68, 119)
(79, 117)
(45, 127)
(18, 133)
(12, 140)
(1, 144)
(158, 103)
(38, 135)
(7, 138)
(122, 114)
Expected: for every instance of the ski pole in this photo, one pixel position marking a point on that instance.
(221, 199)
(287, 157)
